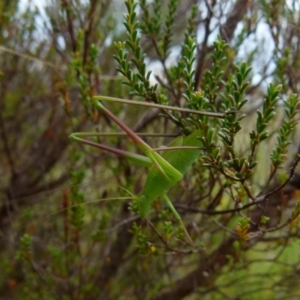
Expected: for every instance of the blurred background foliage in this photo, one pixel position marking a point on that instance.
(59, 240)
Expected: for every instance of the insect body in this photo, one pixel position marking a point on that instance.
(165, 170)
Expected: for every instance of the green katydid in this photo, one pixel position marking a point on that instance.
(166, 169)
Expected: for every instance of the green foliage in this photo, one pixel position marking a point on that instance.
(139, 81)
(264, 117)
(279, 154)
(25, 248)
(77, 199)
(188, 60)
(169, 26)
(212, 78)
(243, 228)
(219, 92)
(296, 210)
(151, 24)
(152, 27)
(143, 245)
(236, 200)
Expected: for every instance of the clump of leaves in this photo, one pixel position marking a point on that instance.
(221, 91)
